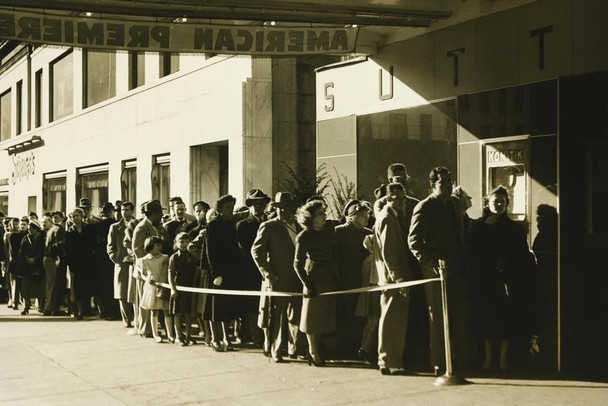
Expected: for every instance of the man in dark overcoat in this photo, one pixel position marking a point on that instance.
(436, 238)
(246, 231)
(273, 252)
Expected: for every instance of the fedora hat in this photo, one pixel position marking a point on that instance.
(84, 202)
(397, 169)
(355, 206)
(107, 208)
(282, 199)
(35, 223)
(256, 195)
(152, 206)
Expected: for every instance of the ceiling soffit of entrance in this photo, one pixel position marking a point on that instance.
(381, 21)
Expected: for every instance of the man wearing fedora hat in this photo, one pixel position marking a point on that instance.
(246, 230)
(273, 252)
(150, 226)
(122, 261)
(106, 266)
(31, 253)
(89, 218)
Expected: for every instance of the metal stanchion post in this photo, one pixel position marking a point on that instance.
(448, 379)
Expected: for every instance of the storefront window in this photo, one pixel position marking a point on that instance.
(161, 178)
(128, 182)
(421, 137)
(54, 192)
(99, 76)
(62, 86)
(5, 115)
(137, 69)
(92, 183)
(4, 202)
(168, 63)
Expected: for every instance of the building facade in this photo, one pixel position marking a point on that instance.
(133, 126)
(515, 98)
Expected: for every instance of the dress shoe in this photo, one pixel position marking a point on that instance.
(47, 313)
(277, 360)
(311, 361)
(25, 311)
(439, 371)
(158, 339)
(227, 347)
(216, 347)
(59, 313)
(180, 342)
(392, 371)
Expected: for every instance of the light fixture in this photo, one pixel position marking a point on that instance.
(271, 23)
(86, 14)
(182, 19)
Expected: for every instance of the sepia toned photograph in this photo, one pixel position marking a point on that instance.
(304, 202)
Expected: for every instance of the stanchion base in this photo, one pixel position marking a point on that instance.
(450, 380)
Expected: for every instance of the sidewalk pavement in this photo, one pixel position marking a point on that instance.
(57, 361)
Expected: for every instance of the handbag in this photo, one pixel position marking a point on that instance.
(163, 293)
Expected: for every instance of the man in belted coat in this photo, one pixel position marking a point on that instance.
(122, 261)
(273, 252)
(150, 226)
(246, 231)
(436, 238)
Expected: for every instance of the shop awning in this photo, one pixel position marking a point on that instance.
(266, 27)
(22, 144)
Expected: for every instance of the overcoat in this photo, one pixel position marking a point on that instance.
(79, 253)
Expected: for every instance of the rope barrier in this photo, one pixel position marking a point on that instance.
(236, 292)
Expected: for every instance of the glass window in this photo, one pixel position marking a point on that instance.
(128, 182)
(92, 185)
(161, 179)
(18, 107)
(430, 140)
(168, 63)
(4, 202)
(62, 86)
(38, 99)
(54, 193)
(137, 69)
(99, 76)
(5, 115)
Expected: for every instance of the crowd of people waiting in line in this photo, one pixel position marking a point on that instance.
(113, 266)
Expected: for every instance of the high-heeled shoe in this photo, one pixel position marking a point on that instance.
(311, 361)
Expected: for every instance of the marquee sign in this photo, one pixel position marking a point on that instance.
(102, 33)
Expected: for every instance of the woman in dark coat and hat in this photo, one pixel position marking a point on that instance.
(224, 260)
(315, 264)
(30, 264)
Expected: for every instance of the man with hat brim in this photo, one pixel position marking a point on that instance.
(273, 252)
(89, 218)
(122, 261)
(418, 320)
(351, 254)
(150, 226)
(105, 265)
(31, 253)
(55, 266)
(246, 231)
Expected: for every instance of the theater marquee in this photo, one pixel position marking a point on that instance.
(90, 32)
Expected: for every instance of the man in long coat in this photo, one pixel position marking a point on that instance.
(246, 231)
(150, 226)
(122, 261)
(436, 238)
(273, 252)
